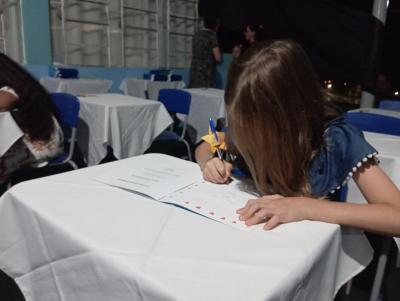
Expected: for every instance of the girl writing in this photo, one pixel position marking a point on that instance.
(296, 157)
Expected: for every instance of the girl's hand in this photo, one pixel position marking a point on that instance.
(274, 210)
(216, 171)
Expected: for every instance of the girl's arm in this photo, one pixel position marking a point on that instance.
(381, 214)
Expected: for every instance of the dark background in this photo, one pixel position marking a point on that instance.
(337, 34)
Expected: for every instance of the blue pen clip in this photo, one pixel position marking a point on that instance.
(213, 130)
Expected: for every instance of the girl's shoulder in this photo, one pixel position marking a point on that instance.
(343, 152)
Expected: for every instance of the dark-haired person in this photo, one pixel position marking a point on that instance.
(32, 109)
(206, 54)
(297, 160)
(252, 33)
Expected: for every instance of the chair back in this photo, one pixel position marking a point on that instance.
(176, 77)
(393, 105)
(68, 108)
(68, 112)
(371, 122)
(147, 76)
(175, 101)
(178, 101)
(160, 78)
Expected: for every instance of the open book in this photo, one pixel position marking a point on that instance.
(171, 180)
(10, 132)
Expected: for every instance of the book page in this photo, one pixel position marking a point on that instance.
(10, 132)
(216, 201)
(154, 175)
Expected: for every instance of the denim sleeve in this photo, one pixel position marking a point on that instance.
(344, 150)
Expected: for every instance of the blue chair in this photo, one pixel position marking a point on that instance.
(176, 78)
(393, 105)
(147, 76)
(160, 78)
(386, 125)
(371, 122)
(67, 73)
(67, 106)
(176, 101)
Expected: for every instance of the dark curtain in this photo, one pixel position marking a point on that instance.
(338, 39)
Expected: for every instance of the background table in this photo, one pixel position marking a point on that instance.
(76, 86)
(138, 87)
(67, 237)
(206, 103)
(127, 124)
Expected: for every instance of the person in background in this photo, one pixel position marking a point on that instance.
(296, 158)
(206, 54)
(253, 33)
(33, 111)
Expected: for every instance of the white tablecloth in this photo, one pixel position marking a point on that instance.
(137, 87)
(127, 124)
(76, 86)
(388, 147)
(206, 103)
(67, 237)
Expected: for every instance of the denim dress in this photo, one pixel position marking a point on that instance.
(342, 153)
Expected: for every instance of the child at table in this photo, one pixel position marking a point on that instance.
(33, 111)
(297, 159)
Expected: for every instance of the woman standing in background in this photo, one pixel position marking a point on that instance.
(206, 54)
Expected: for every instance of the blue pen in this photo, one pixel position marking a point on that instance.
(214, 131)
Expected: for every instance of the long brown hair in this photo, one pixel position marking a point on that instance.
(34, 106)
(275, 115)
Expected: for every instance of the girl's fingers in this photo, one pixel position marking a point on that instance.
(258, 217)
(228, 168)
(246, 207)
(272, 223)
(250, 211)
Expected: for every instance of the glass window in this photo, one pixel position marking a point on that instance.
(182, 25)
(140, 31)
(10, 29)
(80, 32)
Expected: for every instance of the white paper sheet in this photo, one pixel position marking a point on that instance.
(151, 178)
(173, 181)
(216, 201)
(10, 132)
